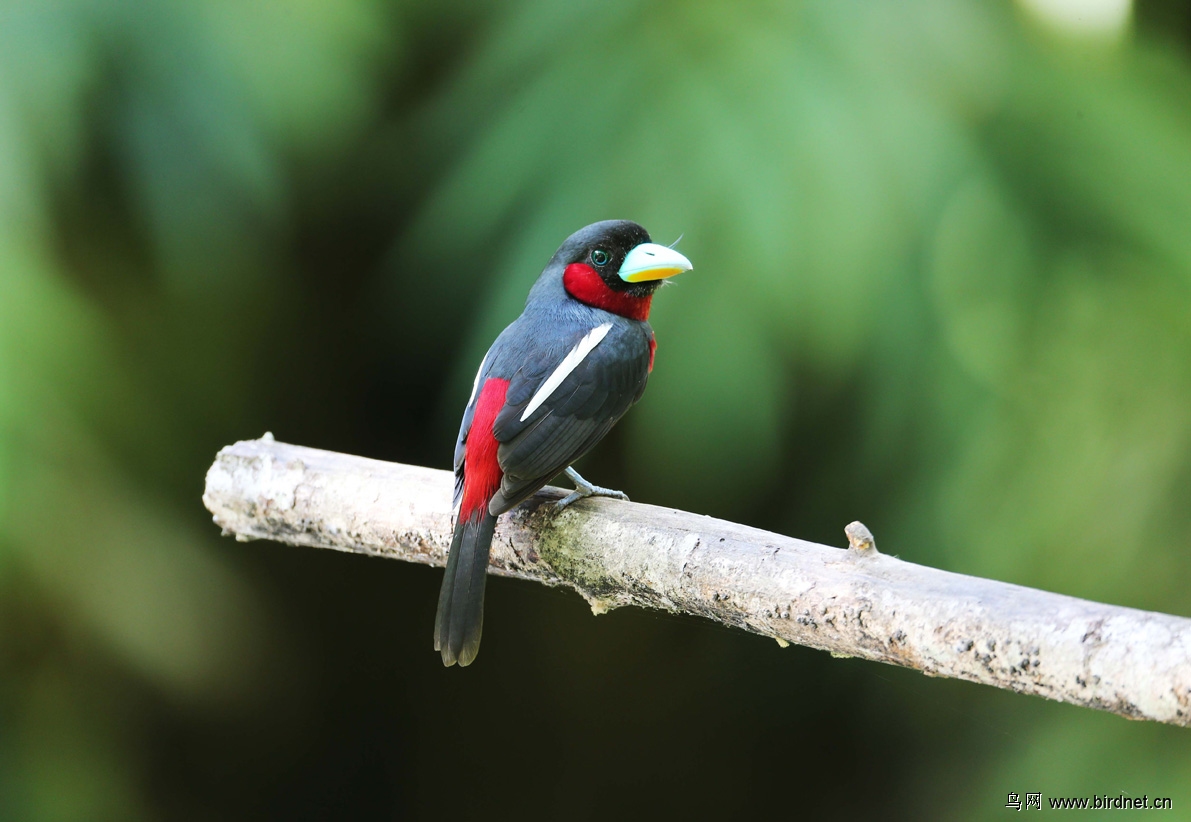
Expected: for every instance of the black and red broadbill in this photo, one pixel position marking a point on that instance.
(549, 388)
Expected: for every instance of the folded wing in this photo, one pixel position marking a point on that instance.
(556, 412)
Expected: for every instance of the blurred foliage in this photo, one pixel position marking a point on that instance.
(943, 284)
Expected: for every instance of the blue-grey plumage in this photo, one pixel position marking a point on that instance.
(551, 386)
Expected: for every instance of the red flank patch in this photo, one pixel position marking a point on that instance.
(481, 470)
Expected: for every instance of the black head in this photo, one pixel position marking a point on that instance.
(623, 256)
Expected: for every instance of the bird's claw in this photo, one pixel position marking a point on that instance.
(584, 489)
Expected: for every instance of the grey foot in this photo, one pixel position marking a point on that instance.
(584, 489)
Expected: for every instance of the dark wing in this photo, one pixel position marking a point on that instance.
(576, 415)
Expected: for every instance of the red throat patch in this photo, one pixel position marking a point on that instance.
(481, 469)
(583, 283)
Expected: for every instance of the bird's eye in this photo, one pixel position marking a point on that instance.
(600, 257)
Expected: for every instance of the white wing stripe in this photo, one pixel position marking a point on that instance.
(475, 386)
(569, 363)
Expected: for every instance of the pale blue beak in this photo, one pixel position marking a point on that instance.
(650, 261)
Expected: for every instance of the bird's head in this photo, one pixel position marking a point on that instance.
(622, 255)
(613, 265)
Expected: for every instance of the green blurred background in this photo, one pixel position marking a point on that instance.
(942, 284)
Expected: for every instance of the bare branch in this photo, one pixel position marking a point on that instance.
(852, 602)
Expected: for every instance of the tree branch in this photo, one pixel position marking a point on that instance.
(853, 602)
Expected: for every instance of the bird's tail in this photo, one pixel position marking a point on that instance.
(460, 617)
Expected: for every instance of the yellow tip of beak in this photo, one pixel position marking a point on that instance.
(659, 273)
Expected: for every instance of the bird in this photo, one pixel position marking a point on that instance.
(552, 385)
